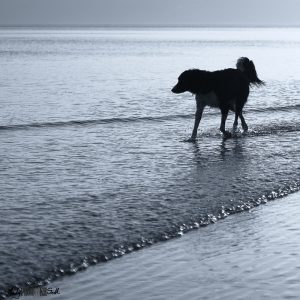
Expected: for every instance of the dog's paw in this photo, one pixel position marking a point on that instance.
(190, 140)
(235, 128)
(227, 134)
(245, 128)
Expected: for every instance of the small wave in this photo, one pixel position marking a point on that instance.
(132, 119)
(275, 109)
(176, 231)
(92, 122)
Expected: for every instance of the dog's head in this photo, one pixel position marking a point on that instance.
(194, 81)
(184, 82)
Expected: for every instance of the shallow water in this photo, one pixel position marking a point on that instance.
(92, 164)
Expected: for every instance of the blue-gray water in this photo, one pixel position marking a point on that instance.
(91, 160)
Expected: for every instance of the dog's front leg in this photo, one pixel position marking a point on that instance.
(198, 116)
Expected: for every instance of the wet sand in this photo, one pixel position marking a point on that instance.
(252, 254)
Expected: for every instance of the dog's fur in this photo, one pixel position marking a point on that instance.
(226, 89)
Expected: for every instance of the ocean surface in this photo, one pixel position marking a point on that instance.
(92, 163)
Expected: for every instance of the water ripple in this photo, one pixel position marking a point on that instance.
(134, 119)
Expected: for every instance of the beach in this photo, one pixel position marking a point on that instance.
(93, 165)
(250, 255)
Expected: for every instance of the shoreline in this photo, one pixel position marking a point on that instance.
(250, 254)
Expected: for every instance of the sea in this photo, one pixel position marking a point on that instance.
(93, 163)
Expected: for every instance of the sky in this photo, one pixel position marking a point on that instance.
(150, 12)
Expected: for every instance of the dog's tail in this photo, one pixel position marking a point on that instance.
(247, 67)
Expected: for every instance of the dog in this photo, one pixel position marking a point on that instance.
(226, 89)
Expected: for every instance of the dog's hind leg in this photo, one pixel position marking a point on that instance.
(244, 124)
(235, 123)
(224, 112)
(239, 113)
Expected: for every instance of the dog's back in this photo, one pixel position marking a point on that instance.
(234, 83)
(230, 84)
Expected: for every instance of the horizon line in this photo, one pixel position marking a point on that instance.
(152, 25)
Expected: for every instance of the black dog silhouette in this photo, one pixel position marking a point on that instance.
(226, 89)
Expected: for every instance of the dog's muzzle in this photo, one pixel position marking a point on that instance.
(177, 89)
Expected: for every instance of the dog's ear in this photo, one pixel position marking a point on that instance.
(202, 82)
